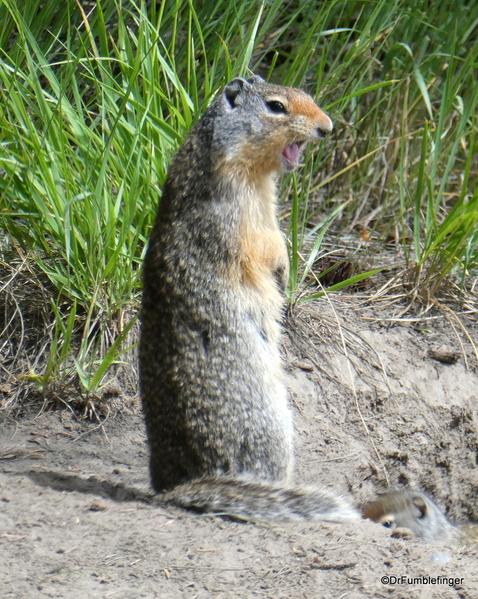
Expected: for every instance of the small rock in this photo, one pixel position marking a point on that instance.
(97, 506)
(444, 354)
(304, 365)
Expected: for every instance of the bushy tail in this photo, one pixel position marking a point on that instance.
(245, 498)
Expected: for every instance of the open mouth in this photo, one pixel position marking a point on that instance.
(291, 155)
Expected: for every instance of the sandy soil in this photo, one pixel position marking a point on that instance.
(372, 409)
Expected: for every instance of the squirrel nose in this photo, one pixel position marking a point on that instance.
(325, 126)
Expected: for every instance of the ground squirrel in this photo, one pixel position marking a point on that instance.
(408, 508)
(214, 399)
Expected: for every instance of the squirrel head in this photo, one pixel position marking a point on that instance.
(263, 127)
(412, 509)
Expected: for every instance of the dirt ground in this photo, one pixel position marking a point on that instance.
(372, 409)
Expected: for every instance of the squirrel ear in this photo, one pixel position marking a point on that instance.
(421, 505)
(255, 79)
(233, 91)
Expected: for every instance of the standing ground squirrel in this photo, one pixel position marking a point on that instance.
(407, 508)
(218, 423)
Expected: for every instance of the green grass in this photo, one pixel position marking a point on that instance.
(93, 103)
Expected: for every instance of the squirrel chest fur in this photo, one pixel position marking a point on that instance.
(211, 381)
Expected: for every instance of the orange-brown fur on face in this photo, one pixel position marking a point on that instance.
(302, 104)
(382, 509)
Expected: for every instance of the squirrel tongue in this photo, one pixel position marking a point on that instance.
(292, 152)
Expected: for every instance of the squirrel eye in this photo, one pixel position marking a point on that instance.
(276, 106)
(388, 523)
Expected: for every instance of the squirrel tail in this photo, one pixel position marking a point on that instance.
(244, 498)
